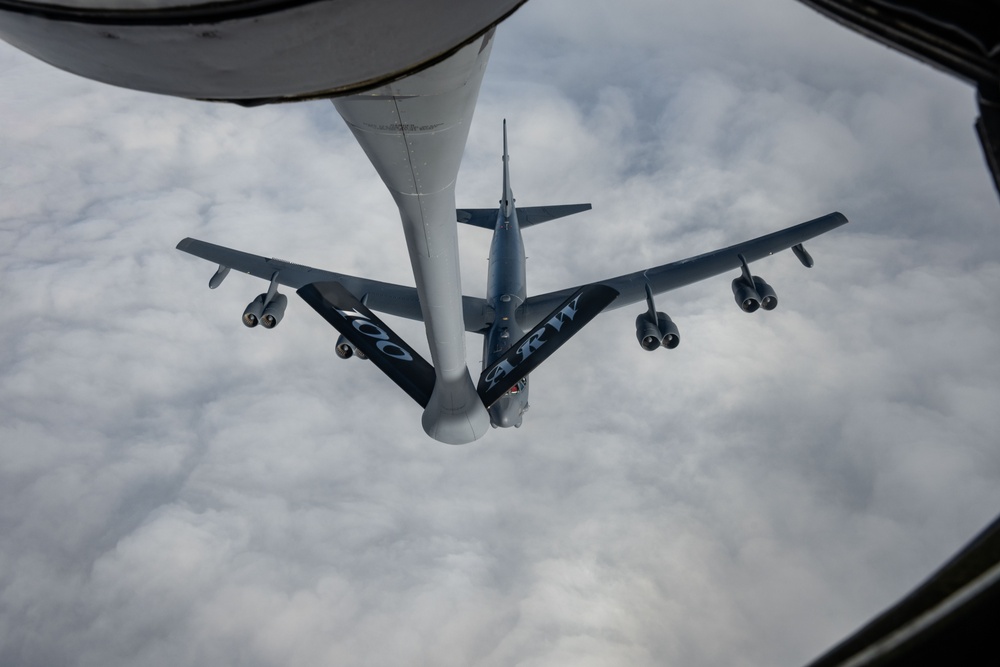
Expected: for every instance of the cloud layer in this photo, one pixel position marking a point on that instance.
(177, 489)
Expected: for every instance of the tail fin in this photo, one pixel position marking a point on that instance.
(526, 217)
(507, 200)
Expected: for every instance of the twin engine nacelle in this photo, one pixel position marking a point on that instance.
(751, 297)
(652, 335)
(346, 349)
(264, 312)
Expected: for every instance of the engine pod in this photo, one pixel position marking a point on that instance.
(768, 299)
(670, 336)
(746, 297)
(274, 311)
(647, 333)
(344, 348)
(251, 316)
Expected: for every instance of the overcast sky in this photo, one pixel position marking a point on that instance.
(176, 489)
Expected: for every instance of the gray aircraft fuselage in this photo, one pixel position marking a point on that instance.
(505, 293)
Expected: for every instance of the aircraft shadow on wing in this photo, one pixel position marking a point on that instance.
(519, 331)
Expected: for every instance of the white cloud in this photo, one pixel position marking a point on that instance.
(176, 489)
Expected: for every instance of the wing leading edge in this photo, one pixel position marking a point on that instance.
(388, 298)
(631, 287)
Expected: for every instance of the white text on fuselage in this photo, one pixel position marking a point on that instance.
(536, 340)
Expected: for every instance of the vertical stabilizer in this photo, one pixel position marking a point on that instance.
(507, 198)
(507, 213)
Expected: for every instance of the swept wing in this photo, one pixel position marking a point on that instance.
(631, 287)
(388, 298)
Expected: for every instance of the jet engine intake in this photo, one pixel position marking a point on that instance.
(746, 296)
(768, 299)
(251, 316)
(346, 349)
(652, 335)
(274, 311)
(647, 333)
(670, 337)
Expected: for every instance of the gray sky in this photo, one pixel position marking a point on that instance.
(176, 489)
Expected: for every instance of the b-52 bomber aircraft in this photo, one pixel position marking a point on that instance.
(519, 331)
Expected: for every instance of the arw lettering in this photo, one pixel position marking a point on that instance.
(533, 341)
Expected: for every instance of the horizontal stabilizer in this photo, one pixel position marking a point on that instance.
(478, 217)
(538, 344)
(526, 216)
(372, 337)
(535, 215)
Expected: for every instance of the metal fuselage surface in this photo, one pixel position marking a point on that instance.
(505, 293)
(246, 51)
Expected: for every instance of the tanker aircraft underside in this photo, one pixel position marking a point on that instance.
(519, 331)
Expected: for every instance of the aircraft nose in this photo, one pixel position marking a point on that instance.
(505, 414)
(507, 420)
